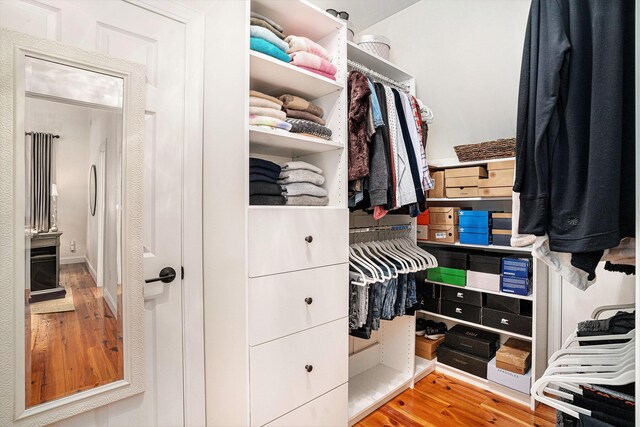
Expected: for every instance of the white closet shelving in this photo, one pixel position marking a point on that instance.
(383, 366)
(538, 296)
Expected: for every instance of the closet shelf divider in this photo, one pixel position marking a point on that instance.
(277, 142)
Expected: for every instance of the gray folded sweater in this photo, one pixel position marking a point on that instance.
(307, 201)
(300, 175)
(304, 189)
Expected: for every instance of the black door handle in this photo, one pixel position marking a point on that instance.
(167, 275)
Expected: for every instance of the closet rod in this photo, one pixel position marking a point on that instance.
(368, 71)
(31, 133)
(398, 227)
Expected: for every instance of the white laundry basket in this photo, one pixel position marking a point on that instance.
(375, 45)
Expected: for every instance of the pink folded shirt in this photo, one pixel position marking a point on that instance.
(298, 43)
(306, 59)
(313, 70)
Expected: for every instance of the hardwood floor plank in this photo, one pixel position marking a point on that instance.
(75, 350)
(440, 401)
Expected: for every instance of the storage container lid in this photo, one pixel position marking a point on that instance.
(373, 38)
(473, 333)
(483, 214)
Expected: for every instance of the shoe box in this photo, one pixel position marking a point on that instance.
(443, 215)
(427, 348)
(474, 365)
(463, 182)
(438, 190)
(449, 258)
(475, 227)
(462, 296)
(462, 304)
(516, 276)
(514, 356)
(518, 382)
(452, 276)
(518, 323)
(473, 341)
(484, 272)
(429, 296)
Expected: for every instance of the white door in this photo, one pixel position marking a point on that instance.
(130, 31)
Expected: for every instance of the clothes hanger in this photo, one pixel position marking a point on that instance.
(370, 262)
(378, 261)
(410, 264)
(414, 249)
(384, 257)
(404, 266)
(353, 258)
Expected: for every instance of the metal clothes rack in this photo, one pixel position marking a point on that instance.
(381, 77)
(31, 133)
(399, 227)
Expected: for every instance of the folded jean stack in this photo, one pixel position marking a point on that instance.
(301, 183)
(305, 117)
(265, 110)
(310, 56)
(263, 183)
(267, 37)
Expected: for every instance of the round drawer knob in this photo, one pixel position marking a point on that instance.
(309, 368)
(308, 239)
(308, 300)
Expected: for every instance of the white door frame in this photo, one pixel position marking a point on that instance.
(101, 196)
(192, 294)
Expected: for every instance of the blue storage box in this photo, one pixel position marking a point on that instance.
(515, 285)
(516, 267)
(478, 230)
(474, 218)
(476, 238)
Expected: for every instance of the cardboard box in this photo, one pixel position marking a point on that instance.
(443, 215)
(516, 267)
(462, 295)
(521, 383)
(501, 240)
(443, 233)
(504, 303)
(422, 232)
(463, 181)
(427, 348)
(451, 276)
(503, 164)
(485, 264)
(516, 323)
(467, 312)
(423, 218)
(495, 231)
(498, 178)
(486, 281)
(476, 238)
(495, 192)
(515, 285)
(473, 341)
(438, 191)
(450, 258)
(502, 224)
(478, 171)
(514, 356)
(454, 192)
(466, 362)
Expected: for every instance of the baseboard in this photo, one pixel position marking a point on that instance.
(111, 302)
(92, 270)
(72, 259)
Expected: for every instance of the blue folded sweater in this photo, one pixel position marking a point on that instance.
(261, 45)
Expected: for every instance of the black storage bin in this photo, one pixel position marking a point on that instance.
(502, 223)
(466, 362)
(500, 303)
(448, 258)
(516, 323)
(473, 341)
(462, 295)
(470, 313)
(429, 297)
(485, 263)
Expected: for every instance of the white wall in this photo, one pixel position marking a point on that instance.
(72, 168)
(465, 55)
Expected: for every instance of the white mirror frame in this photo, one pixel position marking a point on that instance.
(14, 46)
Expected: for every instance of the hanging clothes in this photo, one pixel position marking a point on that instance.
(576, 128)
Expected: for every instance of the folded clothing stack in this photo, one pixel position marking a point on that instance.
(265, 110)
(267, 37)
(311, 56)
(263, 183)
(301, 182)
(305, 117)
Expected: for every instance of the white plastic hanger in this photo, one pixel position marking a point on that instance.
(369, 261)
(366, 251)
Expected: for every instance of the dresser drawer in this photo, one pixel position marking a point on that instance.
(283, 304)
(329, 410)
(290, 239)
(291, 371)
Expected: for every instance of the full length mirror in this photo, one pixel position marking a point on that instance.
(73, 121)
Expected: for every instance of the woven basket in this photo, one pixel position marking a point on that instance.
(487, 150)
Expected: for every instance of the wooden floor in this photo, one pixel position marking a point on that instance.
(75, 350)
(442, 401)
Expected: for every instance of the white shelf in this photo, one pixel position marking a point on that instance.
(373, 387)
(493, 387)
(376, 63)
(471, 288)
(274, 77)
(299, 17)
(524, 249)
(466, 199)
(277, 142)
(423, 367)
(476, 325)
(454, 163)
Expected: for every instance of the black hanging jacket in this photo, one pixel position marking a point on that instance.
(575, 129)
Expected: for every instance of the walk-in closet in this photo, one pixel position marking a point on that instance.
(319, 213)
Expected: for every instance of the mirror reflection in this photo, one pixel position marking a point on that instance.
(73, 304)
